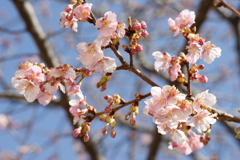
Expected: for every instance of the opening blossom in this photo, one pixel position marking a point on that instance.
(162, 60)
(184, 20)
(82, 12)
(90, 53)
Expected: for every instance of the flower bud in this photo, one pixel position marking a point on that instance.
(127, 116)
(77, 131)
(139, 48)
(144, 34)
(136, 26)
(203, 79)
(86, 137)
(105, 129)
(113, 133)
(143, 25)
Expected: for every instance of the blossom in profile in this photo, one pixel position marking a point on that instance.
(174, 72)
(106, 64)
(203, 99)
(45, 98)
(67, 19)
(185, 19)
(210, 52)
(201, 121)
(90, 53)
(121, 29)
(173, 26)
(64, 71)
(82, 12)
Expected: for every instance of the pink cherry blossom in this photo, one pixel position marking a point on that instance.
(201, 121)
(63, 71)
(171, 116)
(210, 52)
(67, 20)
(107, 24)
(195, 143)
(90, 53)
(162, 60)
(203, 99)
(173, 26)
(78, 102)
(159, 100)
(185, 19)
(183, 148)
(52, 87)
(35, 74)
(28, 89)
(77, 113)
(173, 94)
(193, 52)
(174, 72)
(106, 64)
(121, 29)
(82, 12)
(45, 98)
(178, 136)
(74, 90)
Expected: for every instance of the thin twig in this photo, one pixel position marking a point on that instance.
(224, 4)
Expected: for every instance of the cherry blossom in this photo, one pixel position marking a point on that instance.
(201, 121)
(35, 74)
(106, 64)
(162, 60)
(173, 27)
(185, 19)
(81, 12)
(28, 89)
(210, 52)
(203, 99)
(121, 29)
(63, 71)
(107, 24)
(44, 98)
(174, 72)
(193, 52)
(67, 19)
(90, 53)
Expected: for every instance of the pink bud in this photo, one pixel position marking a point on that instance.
(105, 129)
(127, 116)
(139, 48)
(136, 26)
(108, 109)
(77, 131)
(133, 51)
(201, 41)
(86, 137)
(144, 34)
(113, 133)
(203, 79)
(143, 24)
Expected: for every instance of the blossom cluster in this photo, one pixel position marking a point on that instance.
(35, 81)
(171, 112)
(197, 49)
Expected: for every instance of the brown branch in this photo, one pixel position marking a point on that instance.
(224, 4)
(224, 116)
